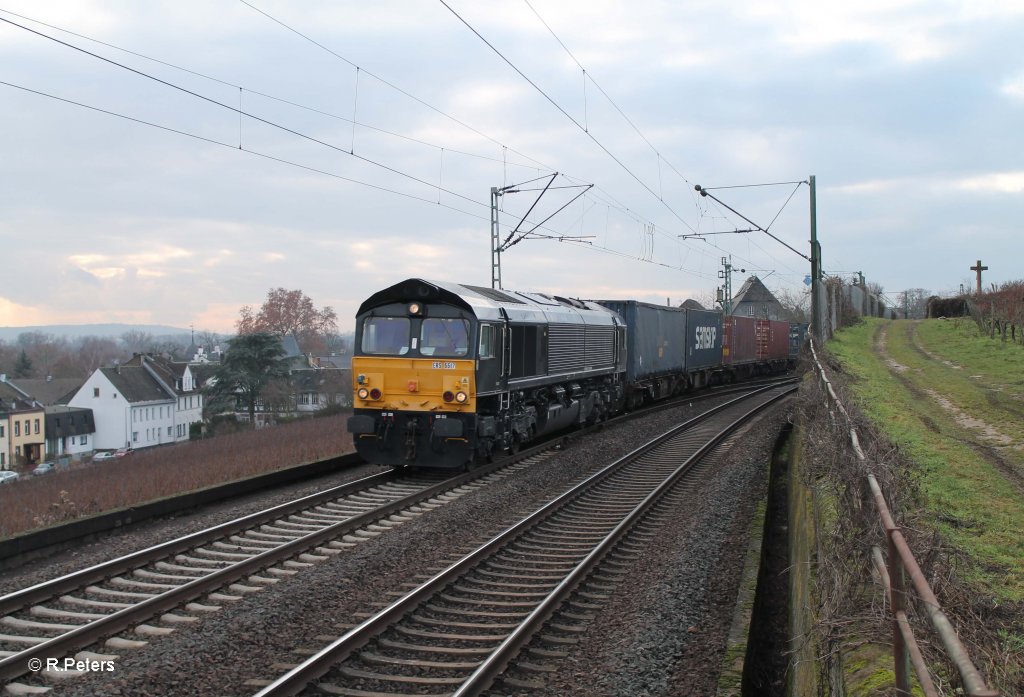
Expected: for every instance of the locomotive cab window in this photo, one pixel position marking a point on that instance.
(440, 336)
(388, 336)
(486, 341)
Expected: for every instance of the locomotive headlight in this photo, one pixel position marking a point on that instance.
(415, 309)
(461, 397)
(363, 393)
(375, 393)
(448, 396)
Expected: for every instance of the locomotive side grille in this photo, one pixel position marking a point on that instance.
(566, 347)
(600, 346)
(577, 347)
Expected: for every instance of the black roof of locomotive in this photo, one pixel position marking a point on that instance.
(488, 303)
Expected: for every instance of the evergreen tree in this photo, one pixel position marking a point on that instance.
(250, 362)
(23, 368)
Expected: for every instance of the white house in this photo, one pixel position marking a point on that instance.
(130, 407)
(180, 380)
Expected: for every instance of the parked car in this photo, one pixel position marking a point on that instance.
(7, 476)
(104, 455)
(43, 468)
(121, 452)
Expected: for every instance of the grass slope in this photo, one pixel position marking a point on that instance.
(969, 496)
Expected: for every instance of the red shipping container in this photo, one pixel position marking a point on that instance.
(749, 340)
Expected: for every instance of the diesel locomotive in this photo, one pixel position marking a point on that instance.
(444, 373)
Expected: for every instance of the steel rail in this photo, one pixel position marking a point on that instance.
(483, 677)
(15, 666)
(15, 601)
(319, 664)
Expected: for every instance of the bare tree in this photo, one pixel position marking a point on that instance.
(290, 312)
(796, 305)
(136, 341)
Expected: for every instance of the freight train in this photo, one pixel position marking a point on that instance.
(445, 373)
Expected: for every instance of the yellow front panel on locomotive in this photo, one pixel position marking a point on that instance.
(413, 384)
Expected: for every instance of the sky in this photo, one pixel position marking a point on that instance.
(193, 155)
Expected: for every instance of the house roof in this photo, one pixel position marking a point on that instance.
(135, 383)
(170, 372)
(692, 304)
(68, 421)
(290, 346)
(50, 391)
(323, 380)
(753, 291)
(340, 361)
(9, 392)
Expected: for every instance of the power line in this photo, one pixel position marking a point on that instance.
(566, 114)
(241, 112)
(232, 146)
(555, 236)
(615, 203)
(272, 97)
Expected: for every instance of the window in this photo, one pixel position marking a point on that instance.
(168, 430)
(37, 426)
(486, 341)
(95, 392)
(1, 430)
(135, 436)
(84, 440)
(387, 336)
(17, 429)
(17, 451)
(28, 430)
(440, 336)
(750, 310)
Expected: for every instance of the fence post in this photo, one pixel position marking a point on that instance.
(897, 578)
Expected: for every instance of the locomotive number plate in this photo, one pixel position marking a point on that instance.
(443, 365)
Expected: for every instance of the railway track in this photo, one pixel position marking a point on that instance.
(51, 620)
(458, 631)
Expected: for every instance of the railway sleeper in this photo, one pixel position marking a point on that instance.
(462, 612)
(531, 667)
(43, 611)
(357, 674)
(420, 648)
(489, 603)
(464, 625)
(88, 602)
(500, 593)
(424, 634)
(376, 658)
(520, 683)
(509, 584)
(19, 623)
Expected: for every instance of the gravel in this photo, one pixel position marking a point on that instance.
(670, 622)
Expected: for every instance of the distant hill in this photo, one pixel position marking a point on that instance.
(74, 331)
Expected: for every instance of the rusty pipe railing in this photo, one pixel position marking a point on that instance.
(901, 558)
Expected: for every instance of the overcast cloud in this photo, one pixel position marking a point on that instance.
(909, 114)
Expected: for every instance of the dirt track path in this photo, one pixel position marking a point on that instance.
(980, 435)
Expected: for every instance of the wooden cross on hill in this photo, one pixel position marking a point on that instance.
(978, 269)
